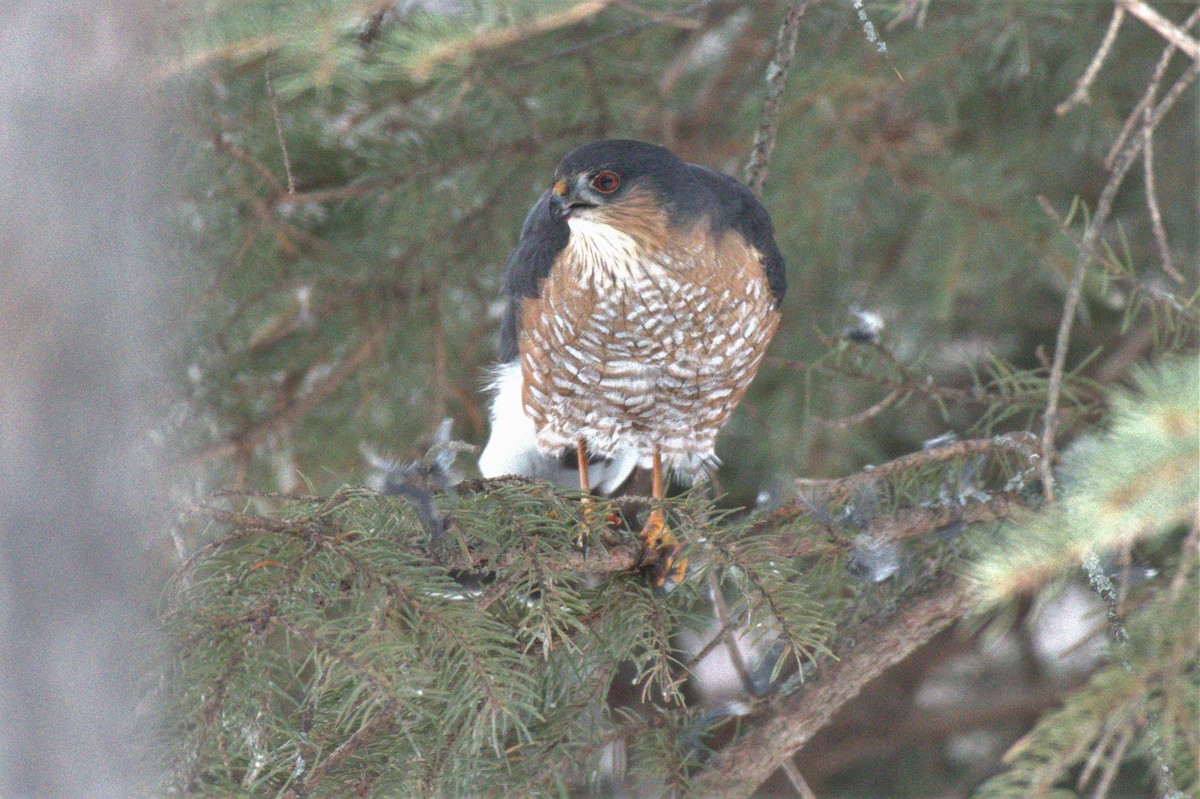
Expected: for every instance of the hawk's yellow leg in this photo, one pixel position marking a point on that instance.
(670, 569)
(585, 500)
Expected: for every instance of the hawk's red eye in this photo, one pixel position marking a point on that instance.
(606, 182)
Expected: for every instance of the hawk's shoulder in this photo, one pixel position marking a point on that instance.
(731, 205)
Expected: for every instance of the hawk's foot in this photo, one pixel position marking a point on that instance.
(584, 535)
(667, 569)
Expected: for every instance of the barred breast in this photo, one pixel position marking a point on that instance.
(626, 348)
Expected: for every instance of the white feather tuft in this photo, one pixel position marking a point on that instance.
(512, 447)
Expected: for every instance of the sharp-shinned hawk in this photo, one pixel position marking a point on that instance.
(642, 296)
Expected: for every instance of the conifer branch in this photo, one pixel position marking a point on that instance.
(505, 37)
(674, 18)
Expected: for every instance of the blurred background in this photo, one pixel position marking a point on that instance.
(250, 244)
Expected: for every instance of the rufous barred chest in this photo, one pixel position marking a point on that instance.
(644, 335)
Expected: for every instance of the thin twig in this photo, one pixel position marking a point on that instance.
(866, 415)
(1100, 748)
(797, 779)
(377, 724)
(1104, 588)
(777, 71)
(1114, 763)
(1080, 95)
(1147, 99)
(1156, 222)
(728, 635)
(287, 159)
(1117, 272)
(1087, 249)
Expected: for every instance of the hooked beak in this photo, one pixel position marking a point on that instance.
(560, 206)
(563, 200)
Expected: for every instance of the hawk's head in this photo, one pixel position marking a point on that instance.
(603, 182)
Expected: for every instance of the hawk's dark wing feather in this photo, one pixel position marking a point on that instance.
(732, 205)
(542, 238)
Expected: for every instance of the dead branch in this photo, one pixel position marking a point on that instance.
(1080, 95)
(777, 71)
(1147, 98)
(1163, 27)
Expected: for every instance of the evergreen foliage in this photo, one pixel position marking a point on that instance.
(1135, 484)
(352, 175)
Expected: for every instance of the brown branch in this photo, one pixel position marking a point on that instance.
(283, 148)
(1147, 98)
(840, 488)
(1156, 222)
(777, 71)
(739, 768)
(1160, 231)
(865, 415)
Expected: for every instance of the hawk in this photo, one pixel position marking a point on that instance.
(641, 298)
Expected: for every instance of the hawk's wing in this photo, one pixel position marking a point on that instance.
(512, 447)
(542, 238)
(732, 205)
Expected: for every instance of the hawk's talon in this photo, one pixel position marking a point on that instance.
(674, 570)
(667, 569)
(582, 538)
(655, 533)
